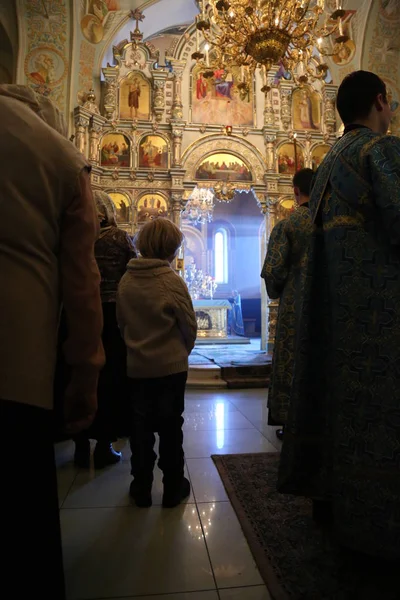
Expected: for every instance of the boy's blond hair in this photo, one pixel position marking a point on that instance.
(159, 238)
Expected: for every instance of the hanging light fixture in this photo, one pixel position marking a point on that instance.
(264, 33)
(200, 206)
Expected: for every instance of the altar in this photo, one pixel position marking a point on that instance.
(212, 318)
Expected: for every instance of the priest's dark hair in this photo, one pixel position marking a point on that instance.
(302, 180)
(357, 94)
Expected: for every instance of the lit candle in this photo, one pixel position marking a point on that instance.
(340, 27)
(197, 39)
(203, 11)
(338, 5)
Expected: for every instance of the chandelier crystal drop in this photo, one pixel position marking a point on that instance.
(199, 207)
(264, 33)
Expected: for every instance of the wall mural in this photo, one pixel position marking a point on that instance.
(344, 53)
(48, 36)
(287, 158)
(115, 151)
(86, 65)
(151, 206)
(134, 97)
(381, 54)
(318, 155)
(223, 167)
(45, 67)
(94, 21)
(122, 207)
(218, 100)
(389, 9)
(153, 152)
(306, 106)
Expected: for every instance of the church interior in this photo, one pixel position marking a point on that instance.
(173, 128)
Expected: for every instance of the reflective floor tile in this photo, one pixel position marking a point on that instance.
(205, 479)
(258, 592)
(112, 552)
(231, 559)
(110, 487)
(202, 444)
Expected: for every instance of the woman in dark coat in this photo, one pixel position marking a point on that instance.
(113, 250)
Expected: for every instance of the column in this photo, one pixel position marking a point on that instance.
(329, 110)
(159, 78)
(110, 97)
(177, 105)
(177, 136)
(270, 145)
(176, 217)
(269, 117)
(286, 112)
(95, 129)
(81, 126)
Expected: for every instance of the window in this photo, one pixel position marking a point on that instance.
(221, 256)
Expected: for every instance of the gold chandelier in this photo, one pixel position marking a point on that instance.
(263, 33)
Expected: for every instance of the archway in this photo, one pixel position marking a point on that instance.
(234, 171)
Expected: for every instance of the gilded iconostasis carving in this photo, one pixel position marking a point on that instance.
(157, 121)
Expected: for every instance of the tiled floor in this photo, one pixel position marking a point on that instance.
(197, 551)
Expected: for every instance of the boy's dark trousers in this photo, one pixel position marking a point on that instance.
(157, 406)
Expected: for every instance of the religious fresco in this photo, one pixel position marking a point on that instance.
(318, 155)
(115, 151)
(218, 99)
(287, 155)
(223, 167)
(344, 53)
(153, 152)
(92, 29)
(306, 106)
(47, 37)
(122, 207)
(96, 18)
(389, 9)
(46, 68)
(151, 206)
(134, 97)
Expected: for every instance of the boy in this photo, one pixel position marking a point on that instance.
(158, 323)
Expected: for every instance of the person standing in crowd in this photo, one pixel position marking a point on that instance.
(156, 316)
(113, 250)
(341, 446)
(283, 272)
(47, 240)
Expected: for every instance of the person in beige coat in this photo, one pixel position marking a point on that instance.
(158, 323)
(47, 235)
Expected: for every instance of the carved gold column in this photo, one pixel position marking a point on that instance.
(286, 111)
(159, 94)
(176, 209)
(329, 112)
(177, 105)
(81, 126)
(95, 128)
(110, 98)
(177, 136)
(269, 116)
(307, 150)
(270, 146)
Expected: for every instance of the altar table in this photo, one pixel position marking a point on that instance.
(212, 318)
